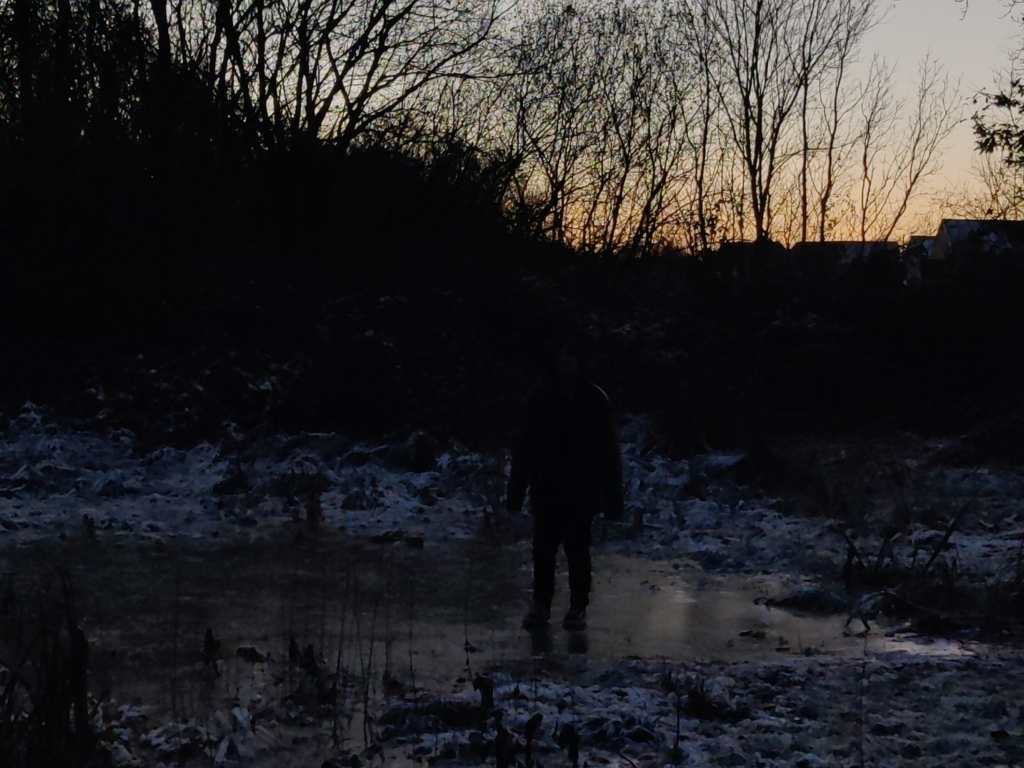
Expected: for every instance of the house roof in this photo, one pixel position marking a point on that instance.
(993, 234)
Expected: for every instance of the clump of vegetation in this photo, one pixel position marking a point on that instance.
(693, 699)
(46, 712)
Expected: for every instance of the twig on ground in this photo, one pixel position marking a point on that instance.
(953, 525)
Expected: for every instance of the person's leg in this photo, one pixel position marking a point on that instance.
(577, 552)
(546, 538)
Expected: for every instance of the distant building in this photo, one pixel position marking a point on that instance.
(835, 258)
(959, 240)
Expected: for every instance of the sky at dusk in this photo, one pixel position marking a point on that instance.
(973, 47)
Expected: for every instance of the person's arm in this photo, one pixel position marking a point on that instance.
(519, 475)
(613, 493)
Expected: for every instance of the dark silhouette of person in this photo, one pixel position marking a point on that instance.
(568, 459)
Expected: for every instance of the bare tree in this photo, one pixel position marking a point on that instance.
(642, 122)
(702, 130)
(330, 69)
(997, 192)
(825, 106)
(836, 108)
(550, 109)
(592, 114)
(771, 49)
(833, 32)
(898, 152)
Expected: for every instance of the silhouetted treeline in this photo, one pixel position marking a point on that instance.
(178, 254)
(146, 208)
(138, 177)
(618, 126)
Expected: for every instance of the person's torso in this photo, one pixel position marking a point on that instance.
(569, 444)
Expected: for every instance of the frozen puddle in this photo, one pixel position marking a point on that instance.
(651, 610)
(411, 629)
(432, 615)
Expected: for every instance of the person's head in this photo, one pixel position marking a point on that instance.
(565, 358)
(567, 365)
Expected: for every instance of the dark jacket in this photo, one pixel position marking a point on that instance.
(568, 453)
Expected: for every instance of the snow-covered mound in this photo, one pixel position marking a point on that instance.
(887, 709)
(59, 480)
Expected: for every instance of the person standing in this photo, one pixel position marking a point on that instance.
(568, 460)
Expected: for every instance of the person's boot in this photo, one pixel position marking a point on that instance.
(575, 619)
(538, 616)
